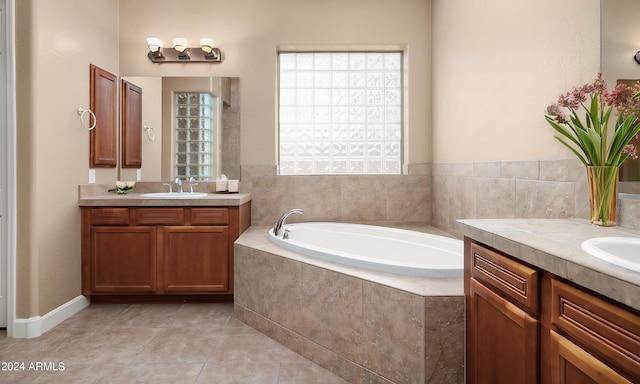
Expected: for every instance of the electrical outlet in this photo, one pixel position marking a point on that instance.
(138, 174)
(92, 176)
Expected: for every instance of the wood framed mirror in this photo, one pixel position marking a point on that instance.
(131, 125)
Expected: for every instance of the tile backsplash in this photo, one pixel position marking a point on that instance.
(384, 199)
(433, 194)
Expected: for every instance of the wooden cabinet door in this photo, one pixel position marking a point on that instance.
(123, 259)
(502, 339)
(570, 364)
(103, 89)
(131, 125)
(195, 259)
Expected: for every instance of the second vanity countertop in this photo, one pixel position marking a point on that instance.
(554, 245)
(135, 200)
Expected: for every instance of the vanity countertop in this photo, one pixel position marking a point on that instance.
(554, 245)
(135, 200)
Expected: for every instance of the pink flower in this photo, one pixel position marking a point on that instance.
(586, 130)
(631, 150)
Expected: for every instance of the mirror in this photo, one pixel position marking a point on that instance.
(160, 116)
(620, 40)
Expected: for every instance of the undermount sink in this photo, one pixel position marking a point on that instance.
(621, 251)
(172, 195)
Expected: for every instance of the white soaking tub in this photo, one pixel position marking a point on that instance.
(381, 249)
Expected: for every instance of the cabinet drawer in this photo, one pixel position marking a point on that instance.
(209, 216)
(109, 216)
(159, 216)
(510, 278)
(611, 332)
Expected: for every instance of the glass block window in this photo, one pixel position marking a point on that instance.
(194, 133)
(340, 113)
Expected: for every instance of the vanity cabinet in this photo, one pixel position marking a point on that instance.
(589, 339)
(503, 326)
(160, 251)
(525, 325)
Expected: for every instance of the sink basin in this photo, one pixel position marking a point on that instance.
(172, 195)
(621, 251)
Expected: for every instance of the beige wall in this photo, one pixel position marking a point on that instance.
(497, 64)
(620, 39)
(249, 33)
(57, 40)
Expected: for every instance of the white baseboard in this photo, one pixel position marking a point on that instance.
(37, 325)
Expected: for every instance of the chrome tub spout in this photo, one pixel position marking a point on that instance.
(278, 225)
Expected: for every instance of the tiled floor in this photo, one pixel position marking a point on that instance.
(156, 343)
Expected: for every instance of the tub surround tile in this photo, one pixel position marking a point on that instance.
(364, 198)
(498, 198)
(524, 170)
(393, 338)
(347, 198)
(408, 199)
(317, 196)
(461, 169)
(444, 331)
(419, 169)
(462, 197)
(351, 322)
(270, 296)
(489, 169)
(440, 198)
(332, 311)
(629, 212)
(478, 190)
(544, 199)
(569, 170)
(305, 347)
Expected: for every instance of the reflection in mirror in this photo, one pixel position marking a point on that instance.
(620, 40)
(196, 124)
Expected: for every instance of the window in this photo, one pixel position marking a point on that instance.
(340, 113)
(195, 136)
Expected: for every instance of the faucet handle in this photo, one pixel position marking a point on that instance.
(170, 187)
(191, 186)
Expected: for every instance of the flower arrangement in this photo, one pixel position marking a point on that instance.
(599, 149)
(591, 140)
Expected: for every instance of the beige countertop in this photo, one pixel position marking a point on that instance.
(554, 245)
(135, 200)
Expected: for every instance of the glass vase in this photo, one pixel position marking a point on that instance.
(603, 194)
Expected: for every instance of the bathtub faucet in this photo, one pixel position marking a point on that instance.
(278, 225)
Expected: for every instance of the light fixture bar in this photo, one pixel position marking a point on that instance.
(181, 53)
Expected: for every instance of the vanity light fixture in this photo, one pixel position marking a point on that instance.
(637, 57)
(180, 45)
(155, 47)
(209, 50)
(181, 53)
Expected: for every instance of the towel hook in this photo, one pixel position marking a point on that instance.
(81, 112)
(150, 132)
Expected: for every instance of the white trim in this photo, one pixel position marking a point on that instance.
(36, 326)
(10, 146)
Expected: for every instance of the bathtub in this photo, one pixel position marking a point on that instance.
(381, 249)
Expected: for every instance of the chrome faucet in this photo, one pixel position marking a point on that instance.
(278, 225)
(179, 182)
(192, 182)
